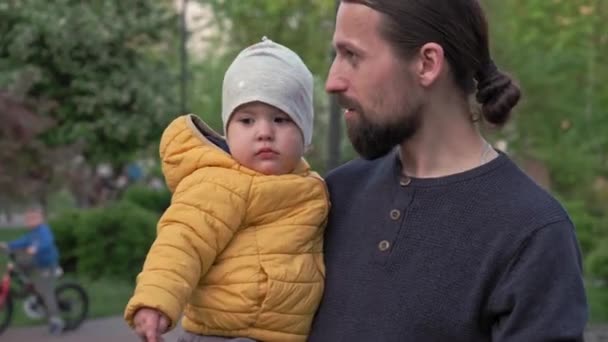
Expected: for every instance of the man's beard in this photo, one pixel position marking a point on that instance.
(374, 140)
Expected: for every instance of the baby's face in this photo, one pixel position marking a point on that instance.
(263, 138)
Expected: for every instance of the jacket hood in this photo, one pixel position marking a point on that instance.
(189, 144)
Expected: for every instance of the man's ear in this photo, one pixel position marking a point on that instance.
(431, 62)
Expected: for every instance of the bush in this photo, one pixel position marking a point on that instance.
(65, 227)
(107, 242)
(588, 226)
(155, 200)
(597, 261)
(115, 241)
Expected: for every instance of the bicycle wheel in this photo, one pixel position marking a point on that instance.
(73, 303)
(6, 313)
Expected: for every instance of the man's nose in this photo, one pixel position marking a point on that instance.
(336, 82)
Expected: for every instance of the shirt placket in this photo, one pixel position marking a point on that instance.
(395, 220)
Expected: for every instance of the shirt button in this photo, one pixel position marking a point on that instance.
(405, 181)
(384, 245)
(395, 214)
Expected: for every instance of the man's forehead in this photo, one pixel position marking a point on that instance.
(356, 24)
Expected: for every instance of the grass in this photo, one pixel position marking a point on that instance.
(107, 297)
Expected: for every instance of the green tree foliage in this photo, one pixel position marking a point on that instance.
(26, 162)
(303, 26)
(103, 63)
(558, 51)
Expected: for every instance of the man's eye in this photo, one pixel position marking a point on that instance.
(351, 56)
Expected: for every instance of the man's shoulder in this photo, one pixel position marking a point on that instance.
(519, 195)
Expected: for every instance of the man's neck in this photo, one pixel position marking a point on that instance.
(448, 142)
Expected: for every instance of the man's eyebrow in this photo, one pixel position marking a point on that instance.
(343, 45)
(339, 45)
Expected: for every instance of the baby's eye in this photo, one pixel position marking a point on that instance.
(246, 121)
(282, 119)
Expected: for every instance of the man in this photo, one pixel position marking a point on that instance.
(434, 235)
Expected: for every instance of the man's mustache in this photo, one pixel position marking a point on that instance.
(348, 103)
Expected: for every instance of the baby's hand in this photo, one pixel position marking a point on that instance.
(150, 324)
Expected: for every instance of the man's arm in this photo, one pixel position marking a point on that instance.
(541, 296)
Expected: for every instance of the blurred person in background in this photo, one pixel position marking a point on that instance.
(38, 256)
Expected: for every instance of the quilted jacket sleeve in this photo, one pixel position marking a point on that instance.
(198, 225)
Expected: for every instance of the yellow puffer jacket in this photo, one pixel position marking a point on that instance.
(241, 251)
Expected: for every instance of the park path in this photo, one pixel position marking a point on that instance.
(114, 329)
(98, 330)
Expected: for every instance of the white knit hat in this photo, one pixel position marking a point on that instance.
(273, 74)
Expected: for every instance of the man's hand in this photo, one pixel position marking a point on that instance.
(31, 250)
(3, 246)
(150, 324)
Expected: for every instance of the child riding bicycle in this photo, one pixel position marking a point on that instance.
(39, 259)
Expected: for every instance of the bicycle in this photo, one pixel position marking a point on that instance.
(72, 299)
